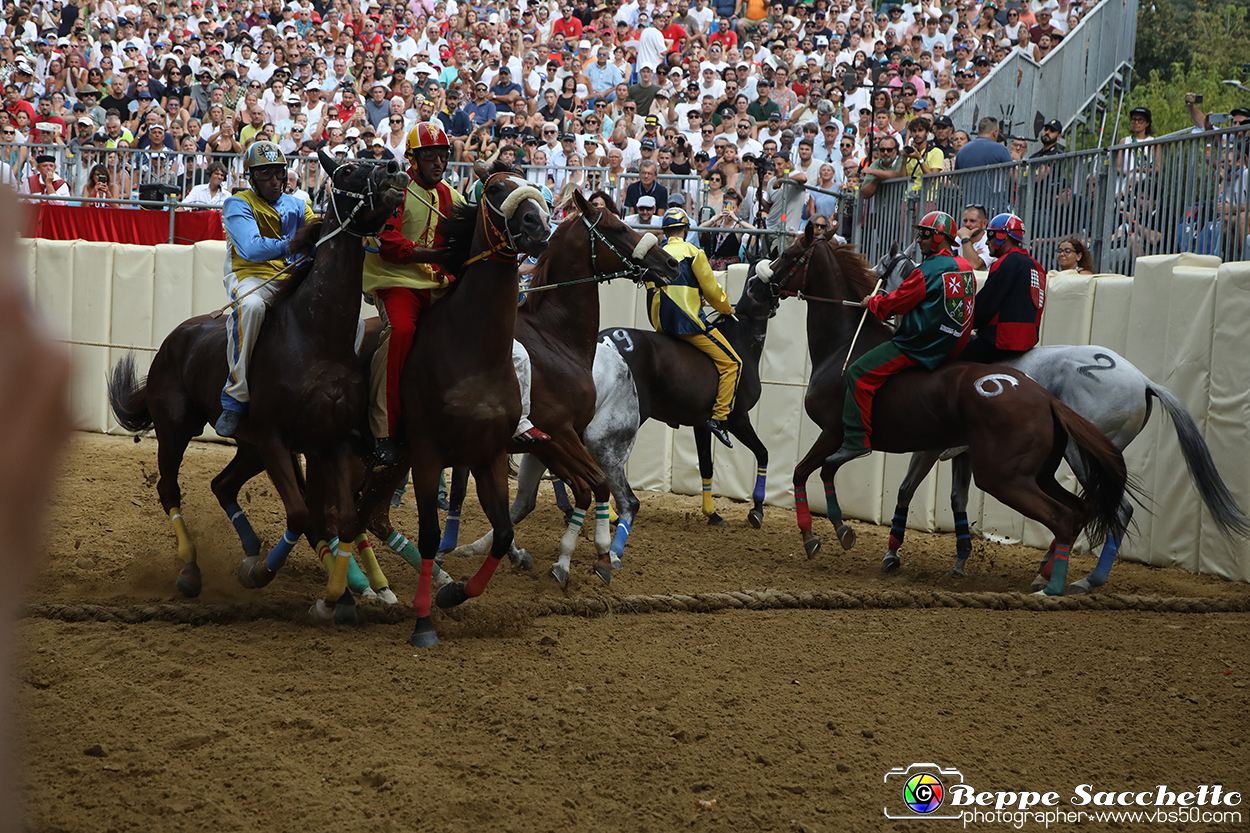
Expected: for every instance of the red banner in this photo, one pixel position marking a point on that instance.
(123, 225)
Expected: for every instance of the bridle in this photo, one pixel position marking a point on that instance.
(502, 247)
(332, 206)
(804, 262)
(634, 268)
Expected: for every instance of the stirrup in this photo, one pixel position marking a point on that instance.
(845, 455)
(531, 436)
(717, 427)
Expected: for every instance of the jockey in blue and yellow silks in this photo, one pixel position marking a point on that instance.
(677, 309)
(260, 224)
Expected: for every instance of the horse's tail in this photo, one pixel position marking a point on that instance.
(1228, 516)
(1106, 477)
(128, 396)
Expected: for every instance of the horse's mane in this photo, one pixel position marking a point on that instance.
(458, 229)
(541, 276)
(304, 243)
(860, 278)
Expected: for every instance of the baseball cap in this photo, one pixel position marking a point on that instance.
(1240, 111)
(943, 121)
(774, 116)
(1141, 111)
(86, 120)
(1053, 124)
(334, 124)
(646, 143)
(353, 133)
(646, 201)
(652, 119)
(567, 137)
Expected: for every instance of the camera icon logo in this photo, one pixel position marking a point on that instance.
(923, 789)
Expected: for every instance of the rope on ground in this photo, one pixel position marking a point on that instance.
(191, 613)
(106, 344)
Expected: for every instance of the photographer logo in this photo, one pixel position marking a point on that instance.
(923, 788)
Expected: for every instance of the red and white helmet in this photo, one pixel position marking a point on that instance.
(1004, 226)
(427, 135)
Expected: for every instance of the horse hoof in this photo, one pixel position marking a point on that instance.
(616, 561)
(253, 573)
(755, 518)
(891, 562)
(715, 520)
(345, 610)
(846, 537)
(521, 559)
(1038, 583)
(423, 636)
(188, 581)
(604, 574)
(560, 574)
(321, 612)
(812, 546)
(1077, 588)
(960, 568)
(440, 555)
(451, 595)
(442, 579)
(387, 596)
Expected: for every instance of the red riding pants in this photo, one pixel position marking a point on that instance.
(399, 309)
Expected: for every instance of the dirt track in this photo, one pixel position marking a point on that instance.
(788, 719)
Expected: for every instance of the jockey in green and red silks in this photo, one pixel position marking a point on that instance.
(935, 309)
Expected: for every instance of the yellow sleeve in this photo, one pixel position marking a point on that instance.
(712, 291)
(456, 197)
(309, 214)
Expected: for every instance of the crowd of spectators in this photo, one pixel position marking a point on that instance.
(771, 108)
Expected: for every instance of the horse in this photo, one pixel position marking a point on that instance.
(310, 395)
(1016, 431)
(1106, 389)
(459, 394)
(656, 376)
(557, 325)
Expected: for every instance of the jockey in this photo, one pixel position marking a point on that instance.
(677, 309)
(1008, 316)
(400, 277)
(934, 306)
(259, 223)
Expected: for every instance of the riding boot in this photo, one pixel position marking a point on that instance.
(718, 430)
(846, 455)
(386, 452)
(227, 423)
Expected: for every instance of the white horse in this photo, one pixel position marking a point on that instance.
(1106, 389)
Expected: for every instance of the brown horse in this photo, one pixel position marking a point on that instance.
(459, 393)
(310, 394)
(1016, 430)
(557, 327)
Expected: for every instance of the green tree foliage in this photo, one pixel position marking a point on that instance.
(1188, 46)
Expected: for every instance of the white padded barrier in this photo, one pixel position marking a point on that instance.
(133, 273)
(1113, 295)
(617, 302)
(1228, 417)
(92, 286)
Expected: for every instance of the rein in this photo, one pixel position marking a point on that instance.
(504, 248)
(633, 270)
(344, 225)
(805, 262)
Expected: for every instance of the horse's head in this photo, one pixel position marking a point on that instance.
(788, 273)
(760, 298)
(616, 249)
(362, 195)
(894, 267)
(515, 210)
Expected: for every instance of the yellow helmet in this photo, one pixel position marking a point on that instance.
(263, 154)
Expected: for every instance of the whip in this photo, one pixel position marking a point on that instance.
(862, 319)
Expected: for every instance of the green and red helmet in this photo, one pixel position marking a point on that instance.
(940, 223)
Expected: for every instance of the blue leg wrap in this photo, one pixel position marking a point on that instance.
(276, 559)
(761, 475)
(618, 541)
(963, 538)
(247, 535)
(562, 497)
(1103, 570)
(451, 532)
(832, 509)
(898, 526)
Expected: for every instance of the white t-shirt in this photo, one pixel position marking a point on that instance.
(651, 48)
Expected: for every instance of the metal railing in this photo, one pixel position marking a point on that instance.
(1021, 93)
(591, 178)
(1178, 194)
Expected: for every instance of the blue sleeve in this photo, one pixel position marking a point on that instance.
(245, 234)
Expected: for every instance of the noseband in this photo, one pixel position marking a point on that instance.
(332, 193)
(501, 245)
(634, 270)
(804, 261)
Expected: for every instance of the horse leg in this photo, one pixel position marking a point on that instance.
(610, 442)
(459, 485)
(245, 465)
(169, 452)
(703, 443)
(568, 541)
(281, 468)
(603, 531)
(740, 427)
(828, 474)
(1110, 548)
(331, 471)
(562, 498)
(492, 493)
(425, 489)
(374, 509)
(825, 444)
(961, 484)
(1033, 498)
(917, 469)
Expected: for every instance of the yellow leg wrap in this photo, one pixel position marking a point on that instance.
(708, 509)
(186, 549)
(369, 562)
(338, 578)
(325, 556)
(612, 516)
